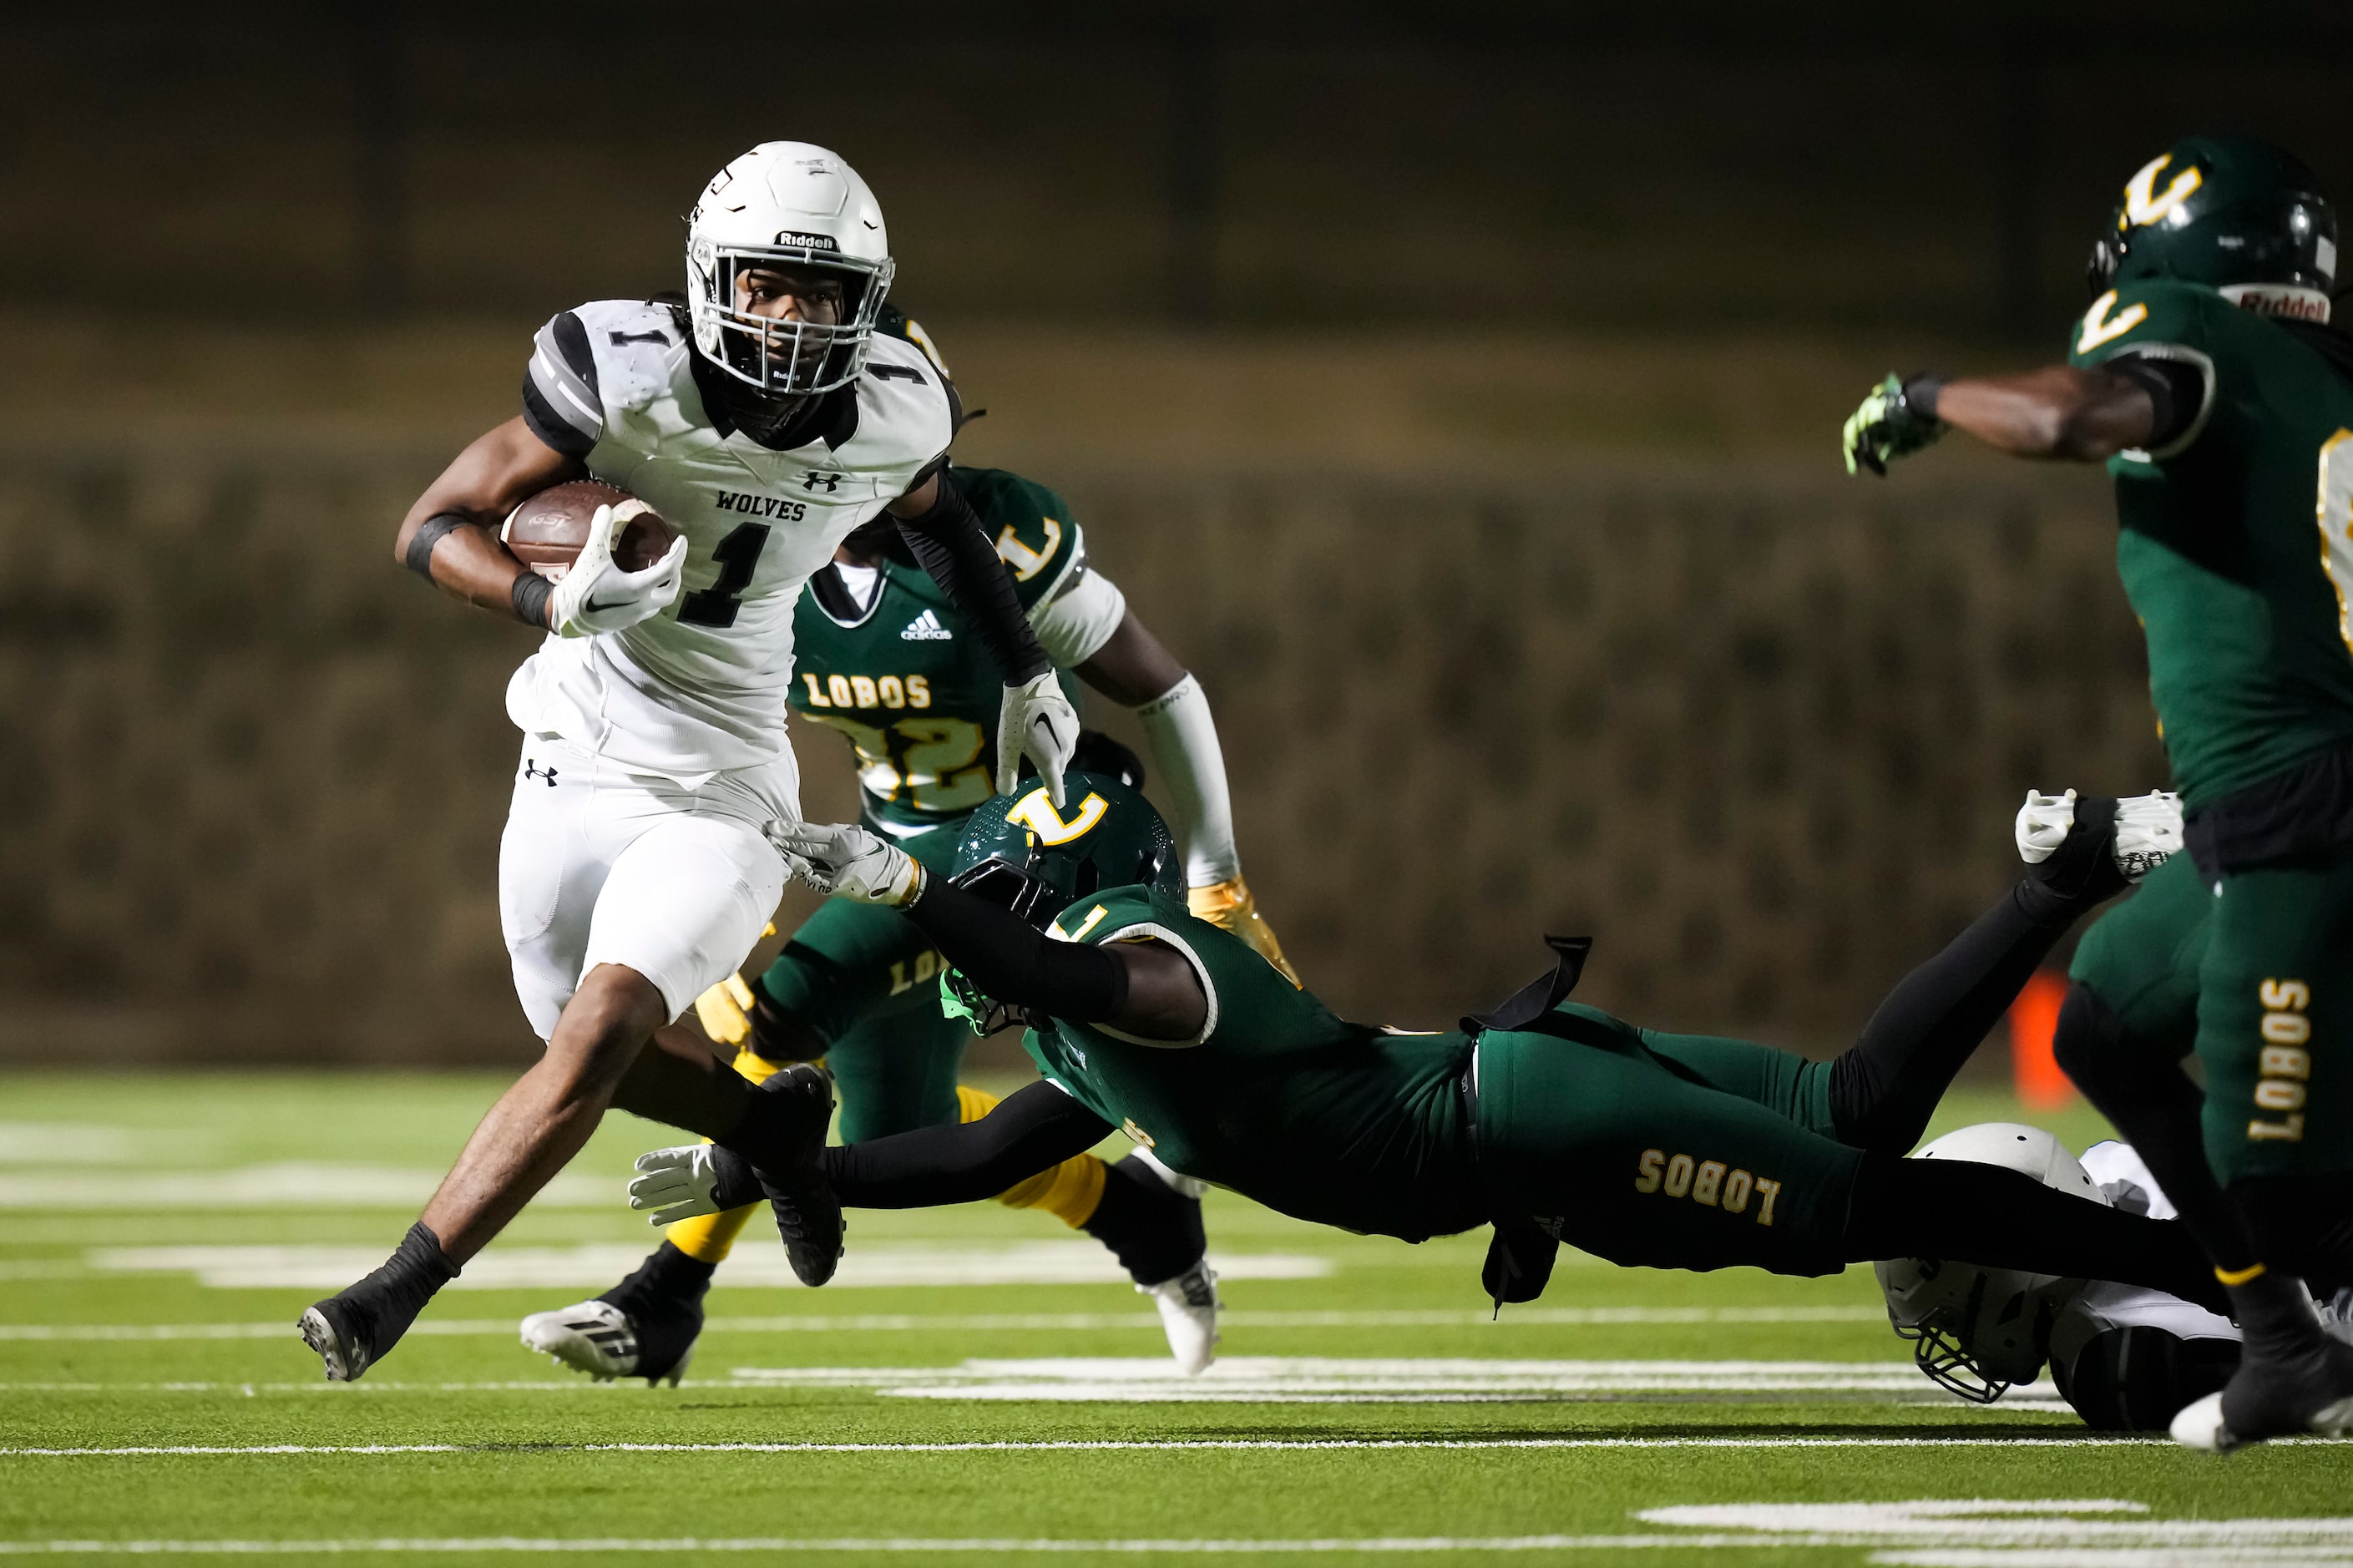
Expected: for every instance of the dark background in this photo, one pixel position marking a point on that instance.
(1456, 390)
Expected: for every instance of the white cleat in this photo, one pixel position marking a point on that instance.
(1188, 1315)
(597, 1338)
(2148, 830)
(2200, 1426)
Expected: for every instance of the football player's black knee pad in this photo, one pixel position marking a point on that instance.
(2135, 1379)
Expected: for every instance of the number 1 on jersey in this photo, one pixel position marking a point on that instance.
(738, 554)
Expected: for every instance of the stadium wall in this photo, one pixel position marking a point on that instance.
(1759, 732)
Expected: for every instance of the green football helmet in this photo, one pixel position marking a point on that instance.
(1018, 852)
(2232, 212)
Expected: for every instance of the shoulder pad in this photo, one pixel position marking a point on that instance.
(2158, 310)
(904, 409)
(1031, 527)
(638, 347)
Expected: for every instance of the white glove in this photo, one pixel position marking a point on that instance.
(677, 1183)
(595, 595)
(848, 861)
(1038, 722)
(2044, 824)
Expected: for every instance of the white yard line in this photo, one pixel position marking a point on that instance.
(595, 1265)
(1981, 1533)
(693, 1545)
(1108, 1444)
(904, 1322)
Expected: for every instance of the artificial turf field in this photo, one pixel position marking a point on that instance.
(979, 1382)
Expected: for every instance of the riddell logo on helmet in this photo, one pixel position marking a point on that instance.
(799, 241)
(2297, 304)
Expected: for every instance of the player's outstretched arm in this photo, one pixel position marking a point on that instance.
(2077, 416)
(2063, 412)
(451, 534)
(1032, 1131)
(1038, 721)
(1135, 669)
(1142, 988)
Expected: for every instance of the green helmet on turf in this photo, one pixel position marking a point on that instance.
(2232, 212)
(1020, 852)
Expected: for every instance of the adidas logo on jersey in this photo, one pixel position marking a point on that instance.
(927, 627)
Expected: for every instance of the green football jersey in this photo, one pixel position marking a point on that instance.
(2244, 600)
(1328, 1121)
(908, 681)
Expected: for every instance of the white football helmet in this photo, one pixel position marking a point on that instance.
(797, 205)
(1978, 1330)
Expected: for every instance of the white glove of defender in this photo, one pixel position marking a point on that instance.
(2148, 830)
(676, 1184)
(2044, 824)
(595, 595)
(1038, 722)
(848, 862)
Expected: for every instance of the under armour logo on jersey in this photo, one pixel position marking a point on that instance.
(818, 479)
(927, 627)
(531, 770)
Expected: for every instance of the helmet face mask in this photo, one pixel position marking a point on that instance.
(791, 208)
(1978, 1334)
(1975, 1331)
(2233, 213)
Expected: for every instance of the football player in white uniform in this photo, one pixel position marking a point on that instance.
(765, 421)
(2127, 1357)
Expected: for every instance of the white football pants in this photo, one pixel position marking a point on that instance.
(603, 866)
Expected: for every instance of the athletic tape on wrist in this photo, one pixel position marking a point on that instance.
(529, 597)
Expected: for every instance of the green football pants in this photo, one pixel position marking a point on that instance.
(2275, 1020)
(1665, 1151)
(2142, 960)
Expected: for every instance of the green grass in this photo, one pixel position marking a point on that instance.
(516, 1441)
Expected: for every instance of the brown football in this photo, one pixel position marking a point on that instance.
(546, 532)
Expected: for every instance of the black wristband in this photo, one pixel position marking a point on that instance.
(419, 557)
(529, 597)
(1921, 393)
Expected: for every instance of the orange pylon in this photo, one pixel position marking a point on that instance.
(2034, 1020)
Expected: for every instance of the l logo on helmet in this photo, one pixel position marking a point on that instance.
(1034, 811)
(2144, 204)
(2099, 327)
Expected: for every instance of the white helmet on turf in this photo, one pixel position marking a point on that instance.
(1978, 1330)
(792, 205)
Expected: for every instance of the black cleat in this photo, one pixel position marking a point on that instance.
(342, 1335)
(784, 1138)
(356, 1327)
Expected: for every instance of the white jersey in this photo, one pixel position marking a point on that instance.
(701, 689)
(2102, 1304)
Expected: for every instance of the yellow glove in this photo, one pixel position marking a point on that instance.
(727, 1012)
(726, 1008)
(1230, 907)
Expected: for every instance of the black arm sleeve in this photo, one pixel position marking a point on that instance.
(948, 541)
(2176, 388)
(1016, 964)
(1033, 1130)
